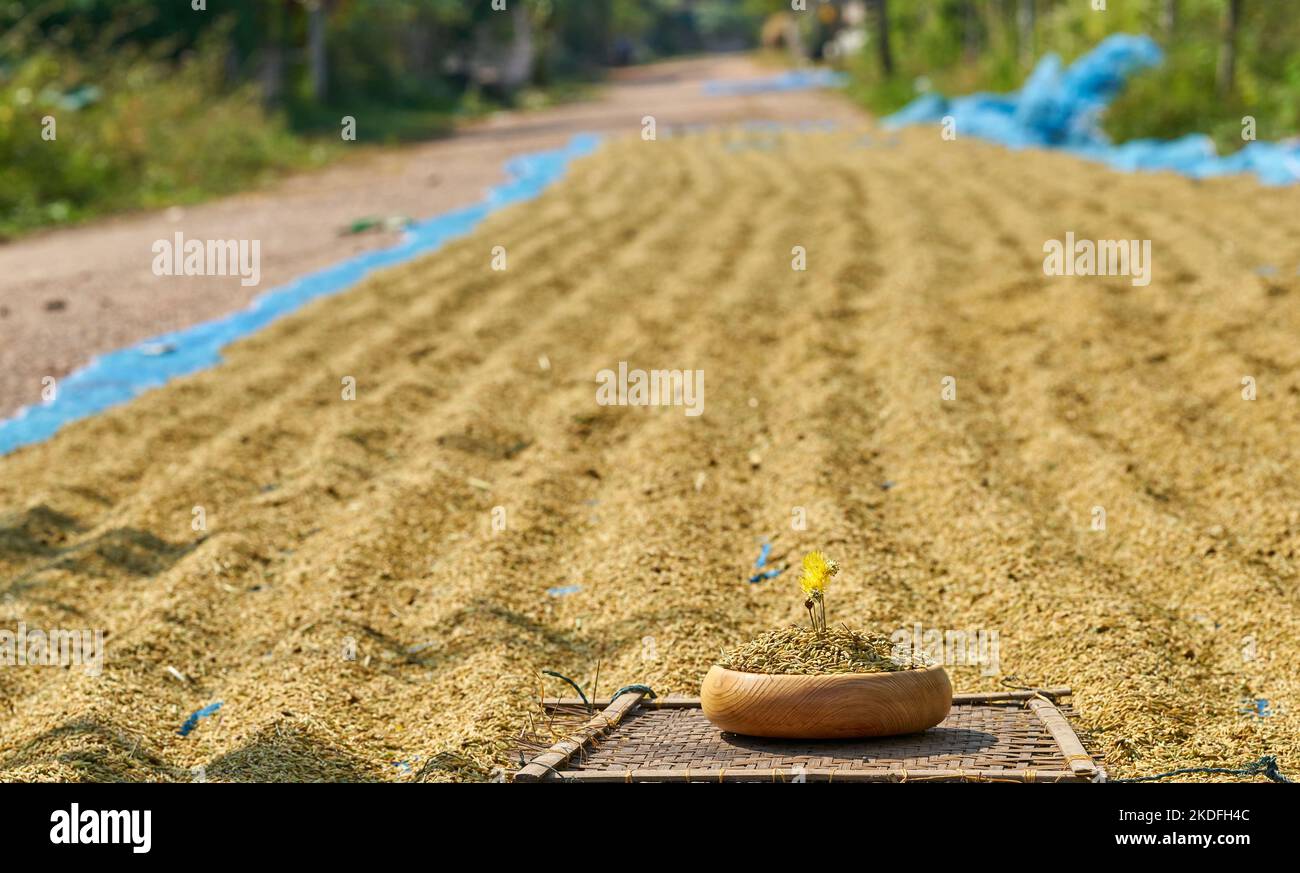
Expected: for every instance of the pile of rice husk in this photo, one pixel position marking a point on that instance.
(361, 617)
(805, 651)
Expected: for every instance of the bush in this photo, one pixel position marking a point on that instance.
(1178, 98)
(130, 131)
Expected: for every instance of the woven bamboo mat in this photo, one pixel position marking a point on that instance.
(1011, 737)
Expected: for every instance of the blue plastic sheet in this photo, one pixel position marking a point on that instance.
(121, 375)
(791, 80)
(1060, 107)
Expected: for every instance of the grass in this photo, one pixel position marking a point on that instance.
(1172, 100)
(150, 133)
(146, 134)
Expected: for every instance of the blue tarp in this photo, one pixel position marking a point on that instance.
(791, 80)
(121, 375)
(1060, 107)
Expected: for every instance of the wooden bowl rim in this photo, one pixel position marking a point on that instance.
(841, 677)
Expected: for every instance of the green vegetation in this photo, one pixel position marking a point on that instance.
(1181, 96)
(1224, 58)
(144, 134)
(160, 103)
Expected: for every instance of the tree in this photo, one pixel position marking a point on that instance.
(1168, 18)
(517, 70)
(1227, 73)
(272, 23)
(1025, 21)
(317, 56)
(882, 37)
(970, 31)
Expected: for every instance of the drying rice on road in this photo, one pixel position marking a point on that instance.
(350, 597)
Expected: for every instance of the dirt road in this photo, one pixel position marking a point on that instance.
(359, 614)
(69, 295)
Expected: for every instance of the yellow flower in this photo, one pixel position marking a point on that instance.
(817, 573)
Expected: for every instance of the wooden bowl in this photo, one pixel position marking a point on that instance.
(828, 707)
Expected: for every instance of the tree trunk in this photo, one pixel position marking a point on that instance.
(605, 9)
(882, 37)
(418, 48)
(270, 72)
(970, 31)
(518, 69)
(1169, 19)
(1227, 78)
(316, 57)
(1025, 26)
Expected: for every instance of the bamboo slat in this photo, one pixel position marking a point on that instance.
(1080, 762)
(600, 724)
